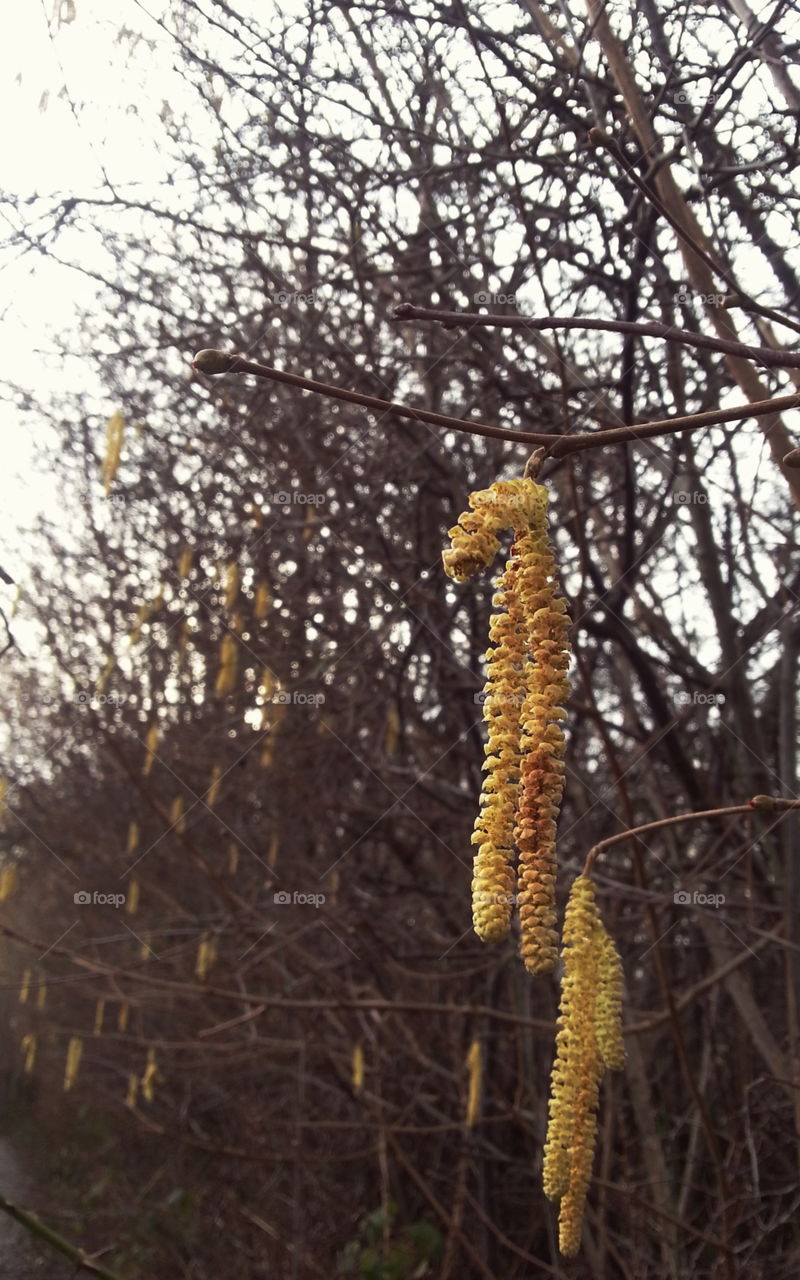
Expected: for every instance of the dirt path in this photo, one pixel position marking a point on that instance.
(21, 1256)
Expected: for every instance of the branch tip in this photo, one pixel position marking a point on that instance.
(213, 361)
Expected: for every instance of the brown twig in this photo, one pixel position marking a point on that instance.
(43, 1232)
(768, 357)
(216, 362)
(762, 804)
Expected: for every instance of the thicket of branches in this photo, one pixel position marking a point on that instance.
(289, 696)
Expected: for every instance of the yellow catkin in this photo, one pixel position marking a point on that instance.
(9, 879)
(212, 795)
(475, 1068)
(122, 1017)
(133, 1090)
(507, 504)
(141, 617)
(3, 796)
(25, 986)
(526, 683)
(392, 732)
(133, 837)
(150, 1075)
(104, 677)
(358, 1068)
(29, 1049)
(206, 955)
(585, 1036)
(228, 657)
(183, 640)
(132, 900)
(231, 584)
(332, 888)
(609, 1002)
(308, 528)
(73, 1062)
(268, 684)
(176, 814)
(115, 431)
(272, 855)
(493, 877)
(185, 563)
(542, 743)
(261, 601)
(41, 996)
(233, 857)
(151, 743)
(99, 1014)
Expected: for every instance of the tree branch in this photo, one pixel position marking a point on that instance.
(768, 357)
(43, 1232)
(216, 362)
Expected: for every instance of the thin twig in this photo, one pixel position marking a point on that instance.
(768, 357)
(761, 804)
(558, 446)
(43, 1232)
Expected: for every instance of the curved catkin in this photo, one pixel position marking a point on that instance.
(493, 876)
(526, 683)
(542, 744)
(506, 504)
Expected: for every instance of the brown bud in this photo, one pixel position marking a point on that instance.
(211, 361)
(792, 459)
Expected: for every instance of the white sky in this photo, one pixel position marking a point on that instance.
(47, 146)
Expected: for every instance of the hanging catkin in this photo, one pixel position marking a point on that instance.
(526, 684)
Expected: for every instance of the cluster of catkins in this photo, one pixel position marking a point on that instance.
(526, 683)
(515, 830)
